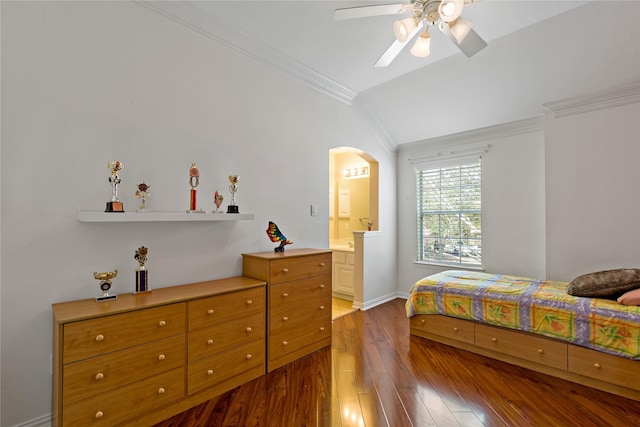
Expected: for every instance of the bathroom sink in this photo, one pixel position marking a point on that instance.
(341, 247)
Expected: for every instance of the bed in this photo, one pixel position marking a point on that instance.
(531, 323)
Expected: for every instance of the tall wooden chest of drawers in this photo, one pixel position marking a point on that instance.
(139, 359)
(298, 301)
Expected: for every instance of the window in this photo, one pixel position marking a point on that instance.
(449, 213)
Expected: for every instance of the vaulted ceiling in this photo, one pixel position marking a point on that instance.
(538, 52)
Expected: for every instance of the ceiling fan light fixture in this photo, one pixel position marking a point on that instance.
(450, 10)
(422, 48)
(459, 29)
(402, 28)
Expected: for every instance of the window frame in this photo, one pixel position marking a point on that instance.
(451, 255)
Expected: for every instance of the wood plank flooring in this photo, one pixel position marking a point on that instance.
(376, 375)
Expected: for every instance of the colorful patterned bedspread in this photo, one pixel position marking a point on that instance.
(538, 306)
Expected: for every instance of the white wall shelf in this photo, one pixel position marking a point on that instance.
(97, 216)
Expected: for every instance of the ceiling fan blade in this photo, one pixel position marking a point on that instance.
(396, 47)
(470, 45)
(375, 10)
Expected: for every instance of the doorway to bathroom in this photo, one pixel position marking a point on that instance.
(353, 207)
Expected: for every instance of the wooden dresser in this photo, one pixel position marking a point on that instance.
(139, 359)
(298, 302)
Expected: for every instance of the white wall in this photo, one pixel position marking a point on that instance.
(84, 83)
(593, 189)
(513, 230)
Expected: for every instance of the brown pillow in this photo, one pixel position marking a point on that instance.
(606, 283)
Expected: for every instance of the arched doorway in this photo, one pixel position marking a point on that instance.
(353, 206)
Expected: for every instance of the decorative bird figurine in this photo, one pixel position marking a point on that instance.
(276, 235)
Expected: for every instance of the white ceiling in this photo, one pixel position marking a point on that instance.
(538, 52)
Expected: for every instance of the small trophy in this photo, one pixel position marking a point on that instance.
(217, 200)
(142, 274)
(194, 181)
(233, 188)
(114, 205)
(143, 193)
(105, 284)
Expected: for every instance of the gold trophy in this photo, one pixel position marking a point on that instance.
(194, 181)
(143, 193)
(105, 284)
(114, 205)
(142, 274)
(233, 188)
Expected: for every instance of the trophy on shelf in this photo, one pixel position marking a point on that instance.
(114, 205)
(105, 284)
(143, 193)
(194, 181)
(217, 200)
(142, 274)
(233, 188)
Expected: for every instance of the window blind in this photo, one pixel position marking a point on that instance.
(449, 216)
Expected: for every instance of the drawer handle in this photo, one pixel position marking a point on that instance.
(161, 390)
(249, 329)
(596, 365)
(100, 337)
(322, 286)
(99, 376)
(322, 307)
(210, 372)
(162, 357)
(99, 414)
(285, 270)
(422, 321)
(284, 343)
(284, 295)
(210, 342)
(210, 312)
(540, 351)
(494, 339)
(322, 264)
(322, 328)
(162, 323)
(455, 329)
(249, 356)
(285, 318)
(249, 302)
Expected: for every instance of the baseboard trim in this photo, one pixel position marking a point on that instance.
(41, 421)
(377, 301)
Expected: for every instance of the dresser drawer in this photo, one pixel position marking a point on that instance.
(523, 346)
(449, 327)
(89, 338)
(90, 377)
(219, 308)
(295, 268)
(116, 406)
(299, 315)
(299, 291)
(604, 367)
(212, 370)
(290, 340)
(214, 339)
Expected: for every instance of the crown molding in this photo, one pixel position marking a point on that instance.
(489, 133)
(189, 16)
(618, 96)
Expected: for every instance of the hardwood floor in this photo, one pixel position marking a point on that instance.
(375, 374)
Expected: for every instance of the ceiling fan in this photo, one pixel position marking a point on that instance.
(445, 13)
